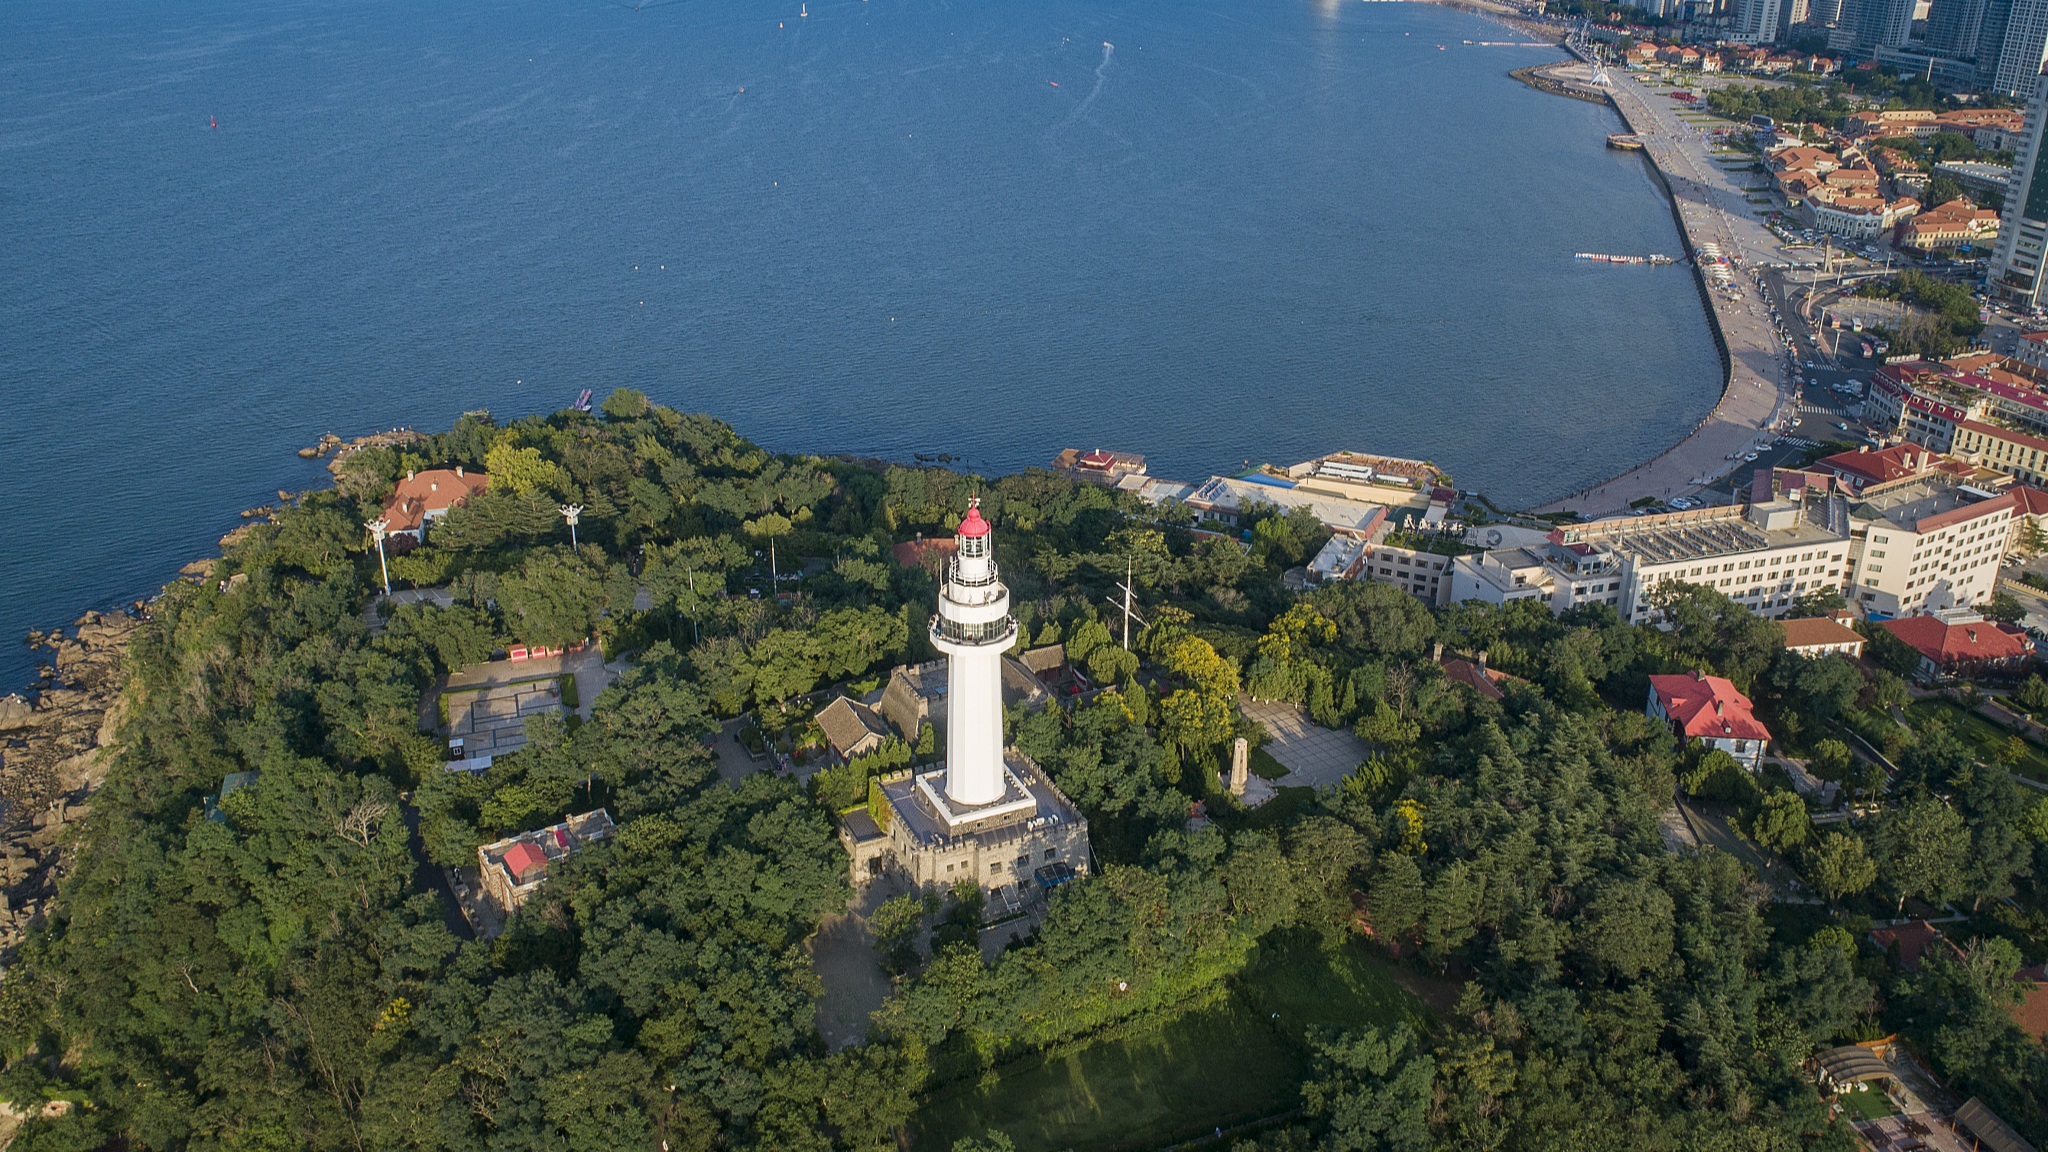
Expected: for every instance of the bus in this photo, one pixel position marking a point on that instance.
(1764, 122)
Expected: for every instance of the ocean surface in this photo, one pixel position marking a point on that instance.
(1211, 232)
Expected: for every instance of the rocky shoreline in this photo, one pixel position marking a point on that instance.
(58, 739)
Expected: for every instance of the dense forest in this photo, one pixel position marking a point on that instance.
(279, 975)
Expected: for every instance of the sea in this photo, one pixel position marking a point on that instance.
(1218, 233)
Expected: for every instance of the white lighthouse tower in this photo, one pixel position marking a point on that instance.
(973, 628)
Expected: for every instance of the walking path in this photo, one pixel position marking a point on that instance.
(1759, 396)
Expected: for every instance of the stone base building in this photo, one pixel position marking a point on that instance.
(1031, 839)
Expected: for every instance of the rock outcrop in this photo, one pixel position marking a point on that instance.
(54, 752)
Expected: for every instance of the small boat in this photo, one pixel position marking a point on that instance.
(1054, 83)
(582, 402)
(212, 123)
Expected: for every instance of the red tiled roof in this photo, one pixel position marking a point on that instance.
(925, 553)
(1913, 939)
(1814, 631)
(2031, 1013)
(1894, 463)
(1708, 707)
(435, 490)
(1947, 644)
(522, 859)
(2028, 501)
(2006, 434)
(1484, 681)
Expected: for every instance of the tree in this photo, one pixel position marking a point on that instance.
(1839, 865)
(1373, 1089)
(2032, 694)
(1831, 760)
(2004, 608)
(1627, 929)
(1919, 850)
(769, 528)
(625, 404)
(556, 597)
(1781, 824)
(2032, 540)
(517, 471)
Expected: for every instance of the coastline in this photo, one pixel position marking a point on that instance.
(1754, 396)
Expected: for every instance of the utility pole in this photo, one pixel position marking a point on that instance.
(377, 528)
(1129, 612)
(570, 512)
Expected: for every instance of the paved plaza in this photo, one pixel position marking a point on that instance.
(1313, 756)
(491, 721)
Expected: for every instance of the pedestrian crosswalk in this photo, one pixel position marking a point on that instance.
(1798, 442)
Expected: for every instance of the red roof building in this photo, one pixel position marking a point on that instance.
(1709, 708)
(2031, 1013)
(526, 863)
(1861, 470)
(1957, 642)
(424, 496)
(1913, 938)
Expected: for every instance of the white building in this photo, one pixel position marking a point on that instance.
(1764, 556)
(1927, 545)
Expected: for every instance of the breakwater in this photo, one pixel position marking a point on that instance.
(1534, 78)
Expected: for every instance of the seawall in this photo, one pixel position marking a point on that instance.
(1750, 400)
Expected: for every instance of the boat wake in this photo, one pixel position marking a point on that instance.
(1101, 71)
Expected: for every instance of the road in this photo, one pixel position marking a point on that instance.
(1759, 397)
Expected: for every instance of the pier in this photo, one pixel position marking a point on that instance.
(1719, 226)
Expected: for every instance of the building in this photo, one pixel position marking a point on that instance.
(423, 497)
(1756, 22)
(1860, 217)
(1957, 642)
(1956, 224)
(2023, 231)
(1817, 636)
(1764, 555)
(514, 868)
(1097, 466)
(1977, 176)
(1912, 940)
(1230, 499)
(916, 694)
(851, 729)
(1925, 546)
(2022, 48)
(1866, 25)
(1883, 124)
(2017, 454)
(987, 815)
(1864, 471)
(1710, 710)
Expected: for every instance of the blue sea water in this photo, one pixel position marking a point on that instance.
(1210, 232)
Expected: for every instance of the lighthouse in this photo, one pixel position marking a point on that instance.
(973, 628)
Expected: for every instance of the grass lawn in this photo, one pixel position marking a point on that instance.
(1263, 765)
(1983, 736)
(1238, 1060)
(1871, 1105)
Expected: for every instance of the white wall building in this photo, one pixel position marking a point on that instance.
(1927, 545)
(1764, 556)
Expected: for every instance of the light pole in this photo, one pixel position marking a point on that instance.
(377, 528)
(570, 512)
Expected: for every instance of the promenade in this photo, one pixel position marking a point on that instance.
(1712, 203)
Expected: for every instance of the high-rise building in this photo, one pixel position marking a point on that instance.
(988, 815)
(1827, 13)
(2023, 48)
(1756, 22)
(1955, 26)
(1791, 12)
(1991, 39)
(2023, 230)
(1868, 24)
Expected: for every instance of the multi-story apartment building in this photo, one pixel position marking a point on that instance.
(1925, 545)
(1764, 555)
(1419, 566)
(1924, 401)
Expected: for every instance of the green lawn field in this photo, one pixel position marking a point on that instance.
(1238, 1060)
